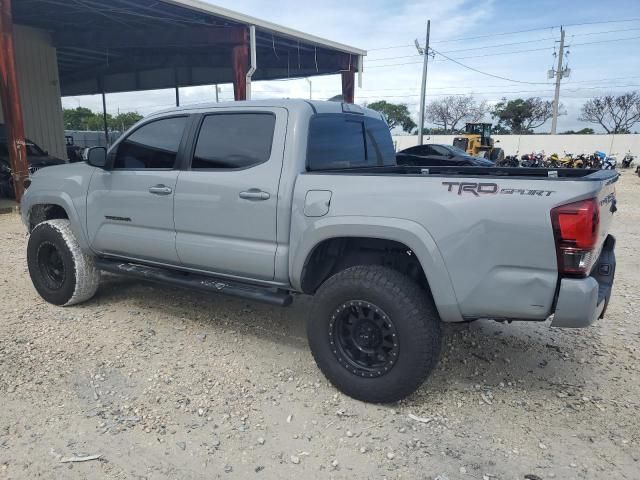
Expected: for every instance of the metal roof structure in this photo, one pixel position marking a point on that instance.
(129, 45)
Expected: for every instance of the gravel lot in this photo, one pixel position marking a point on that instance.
(163, 383)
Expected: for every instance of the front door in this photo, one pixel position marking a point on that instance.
(226, 201)
(130, 206)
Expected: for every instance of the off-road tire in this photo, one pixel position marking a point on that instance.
(413, 314)
(78, 278)
(497, 155)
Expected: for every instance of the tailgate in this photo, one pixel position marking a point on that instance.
(607, 203)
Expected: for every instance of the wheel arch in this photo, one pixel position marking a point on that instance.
(404, 234)
(53, 205)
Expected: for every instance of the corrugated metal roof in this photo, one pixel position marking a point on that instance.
(265, 25)
(129, 45)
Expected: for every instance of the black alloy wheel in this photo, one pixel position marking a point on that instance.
(51, 265)
(364, 339)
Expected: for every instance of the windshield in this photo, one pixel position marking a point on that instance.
(34, 150)
(457, 151)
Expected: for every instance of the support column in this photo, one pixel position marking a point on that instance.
(105, 120)
(177, 82)
(11, 105)
(240, 64)
(348, 86)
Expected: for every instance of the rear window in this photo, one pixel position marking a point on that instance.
(348, 141)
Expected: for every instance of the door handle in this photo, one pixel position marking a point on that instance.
(161, 190)
(255, 195)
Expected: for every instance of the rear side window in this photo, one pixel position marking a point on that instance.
(235, 140)
(154, 145)
(347, 141)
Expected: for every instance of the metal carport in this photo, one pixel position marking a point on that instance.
(110, 46)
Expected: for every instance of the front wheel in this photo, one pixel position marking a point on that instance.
(374, 333)
(61, 273)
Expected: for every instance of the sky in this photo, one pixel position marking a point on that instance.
(514, 39)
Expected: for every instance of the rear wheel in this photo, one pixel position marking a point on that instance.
(374, 333)
(61, 273)
(497, 155)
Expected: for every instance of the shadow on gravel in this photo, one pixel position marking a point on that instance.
(530, 356)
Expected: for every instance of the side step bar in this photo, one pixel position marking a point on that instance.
(194, 281)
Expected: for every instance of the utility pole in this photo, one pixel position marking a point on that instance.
(217, 90)
(423, 89)
(559, 73)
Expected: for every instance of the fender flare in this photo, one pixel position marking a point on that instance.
(63, 200)
(407, 232)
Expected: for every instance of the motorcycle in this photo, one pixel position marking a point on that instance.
(610, 162)
(628, 160)
(509, 161)
(568, 161)
(531, 160)
(582, 161)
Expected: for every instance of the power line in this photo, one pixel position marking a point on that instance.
(474, 48)
(509, 92)
(465, 58)
(496, 54)
(551, 27)
(605, 41)
(486, 73)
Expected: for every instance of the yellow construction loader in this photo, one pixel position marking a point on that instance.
(477, 142)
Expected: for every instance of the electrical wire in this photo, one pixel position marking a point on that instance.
(551, 27)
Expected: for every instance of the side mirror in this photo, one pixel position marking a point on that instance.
(497, 141)
(97, 157)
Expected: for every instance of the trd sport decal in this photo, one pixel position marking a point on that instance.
(478, 189)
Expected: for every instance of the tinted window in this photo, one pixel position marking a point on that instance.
(345, 141)
(238, 140)
(154, 145)
(439, 150)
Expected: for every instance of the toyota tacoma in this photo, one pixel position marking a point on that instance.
(266, 200)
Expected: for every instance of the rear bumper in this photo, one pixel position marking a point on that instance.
(581, 301)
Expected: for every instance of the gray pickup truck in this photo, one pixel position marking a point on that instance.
(265, 200)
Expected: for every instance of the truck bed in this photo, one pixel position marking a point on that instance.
(490, 228)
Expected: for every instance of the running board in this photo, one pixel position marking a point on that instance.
(195, 281)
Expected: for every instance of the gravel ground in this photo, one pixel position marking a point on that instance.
(163, 383)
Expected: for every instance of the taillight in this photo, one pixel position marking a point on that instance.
(575, 228)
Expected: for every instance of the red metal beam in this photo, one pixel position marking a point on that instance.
(11, 106)
(240, 64)
(348, 86)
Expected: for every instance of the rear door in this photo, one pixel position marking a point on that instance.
(226, 200)
(130, 206)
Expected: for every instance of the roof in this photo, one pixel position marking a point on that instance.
(317, 106)
(131, 45)
(265, 25)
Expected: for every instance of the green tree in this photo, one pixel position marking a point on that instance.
(124, 121)
(77, 118)
(523, 116)
(500, 129)
(396, 114)
(584, 131)
(84, 119)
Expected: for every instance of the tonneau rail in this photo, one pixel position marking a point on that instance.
(468, 171)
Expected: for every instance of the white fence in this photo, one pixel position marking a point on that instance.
(511, 144)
